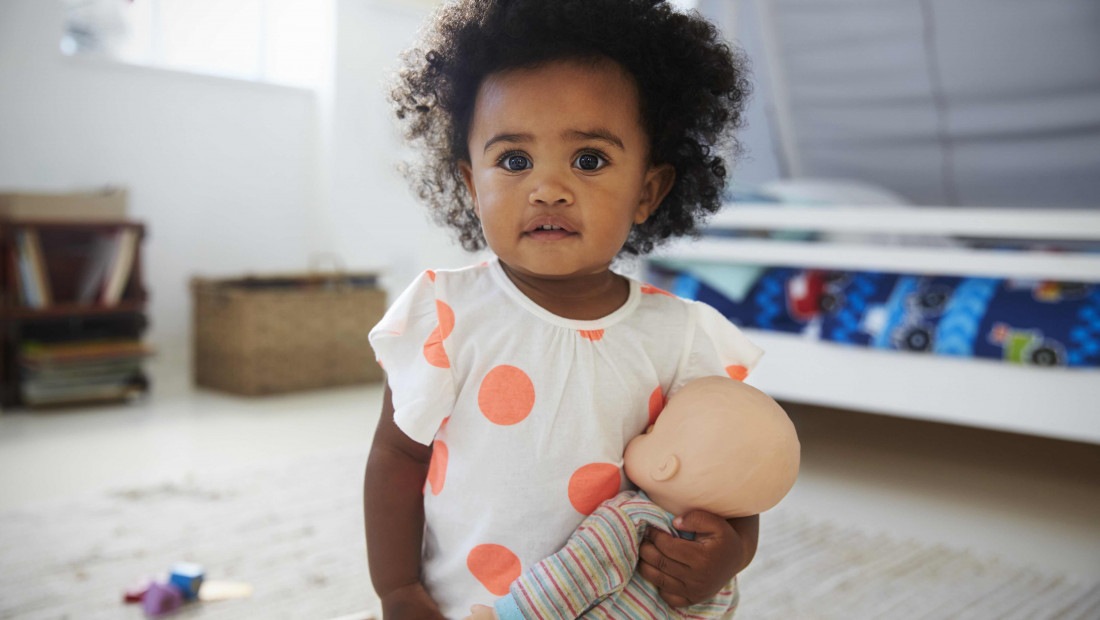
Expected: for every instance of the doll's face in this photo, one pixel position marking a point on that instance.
(559, 166)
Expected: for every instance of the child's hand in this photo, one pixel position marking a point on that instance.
(411, 601)
(691, 571)
(481, 612)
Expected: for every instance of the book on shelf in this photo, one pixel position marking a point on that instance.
(121, 267)
(97, 268)
(34, 280)
(38, 262)
(28, 291)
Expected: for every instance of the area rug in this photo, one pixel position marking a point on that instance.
(293, 530)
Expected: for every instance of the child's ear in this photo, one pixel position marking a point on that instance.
(468, 178)
(657, 184)
(666, 469)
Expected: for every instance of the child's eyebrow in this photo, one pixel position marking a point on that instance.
(600, 134)
(508, 137)
(594, 134)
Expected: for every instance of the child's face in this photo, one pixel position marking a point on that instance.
(561, 145)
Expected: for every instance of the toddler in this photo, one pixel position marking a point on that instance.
(560, 134)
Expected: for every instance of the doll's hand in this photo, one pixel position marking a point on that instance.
(691, 571)
(411, 601)
(481, 612)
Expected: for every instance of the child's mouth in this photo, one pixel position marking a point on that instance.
(549, 232)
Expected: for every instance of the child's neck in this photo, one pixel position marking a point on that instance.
(581, 298)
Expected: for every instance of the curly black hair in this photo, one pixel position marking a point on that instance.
(692, 89)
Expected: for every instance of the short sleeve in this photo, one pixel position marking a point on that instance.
(715, 347)
(409, 343)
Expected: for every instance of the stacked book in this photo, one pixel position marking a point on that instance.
(82, 371)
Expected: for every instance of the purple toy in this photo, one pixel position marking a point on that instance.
(162, 598)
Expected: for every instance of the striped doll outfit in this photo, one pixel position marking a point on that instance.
(594, 576)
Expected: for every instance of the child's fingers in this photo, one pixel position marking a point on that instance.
(663, 553)
(701, 522)
(667, 551)
(659, 578)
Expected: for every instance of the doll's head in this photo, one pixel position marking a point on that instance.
(719, 445)
(684, 90)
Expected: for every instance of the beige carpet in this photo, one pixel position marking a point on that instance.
(294, 531)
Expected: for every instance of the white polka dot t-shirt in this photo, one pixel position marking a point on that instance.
(528, 413)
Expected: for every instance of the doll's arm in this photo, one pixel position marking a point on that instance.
(595, 563)
(393, 505)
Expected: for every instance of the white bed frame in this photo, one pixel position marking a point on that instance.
(1054, 402)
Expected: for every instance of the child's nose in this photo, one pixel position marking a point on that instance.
(551, 189)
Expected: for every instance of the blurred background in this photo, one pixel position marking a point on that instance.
(247, 147)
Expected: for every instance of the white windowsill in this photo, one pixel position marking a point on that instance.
(100, 62)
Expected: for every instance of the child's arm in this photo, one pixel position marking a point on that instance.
(690, 571)
(393, 504)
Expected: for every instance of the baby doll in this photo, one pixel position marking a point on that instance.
(719, 445)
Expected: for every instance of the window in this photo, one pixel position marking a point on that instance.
(279, 41)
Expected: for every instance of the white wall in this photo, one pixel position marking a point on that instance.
(230, 176)
(373, 218)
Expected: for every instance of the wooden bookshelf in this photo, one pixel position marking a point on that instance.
(75, 310)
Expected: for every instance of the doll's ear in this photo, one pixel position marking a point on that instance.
(668, 468)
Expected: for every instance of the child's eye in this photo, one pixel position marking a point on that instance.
(590, 161)
(514, 162)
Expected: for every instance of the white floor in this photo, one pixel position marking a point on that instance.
(1028, 500)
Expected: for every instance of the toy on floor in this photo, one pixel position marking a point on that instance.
(719, 445)
(162, 598)
(136, 592)
(187, 576)
(184, 584)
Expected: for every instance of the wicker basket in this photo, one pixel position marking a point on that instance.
(277, 334)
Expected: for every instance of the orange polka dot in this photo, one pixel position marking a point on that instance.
(656, 404)
(434, 352)
(445, 420)
(591, 334)
(506, 395)
(446, 318)
(649, 289)
(431, 275)
(494, 566)
(592, 484)
(737, 372)
(437, 468)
